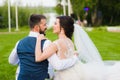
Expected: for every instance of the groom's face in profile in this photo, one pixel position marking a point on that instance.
(42, 26)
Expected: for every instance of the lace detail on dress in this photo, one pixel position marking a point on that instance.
(65, 47)
(58, 54)
(70, 48)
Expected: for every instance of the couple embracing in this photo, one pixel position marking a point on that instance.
(33, 65)
(37, 56)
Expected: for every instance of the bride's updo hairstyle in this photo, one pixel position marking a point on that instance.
(67, 23)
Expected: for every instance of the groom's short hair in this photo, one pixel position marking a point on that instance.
(35, 20)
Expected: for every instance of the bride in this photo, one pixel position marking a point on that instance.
(90, 65)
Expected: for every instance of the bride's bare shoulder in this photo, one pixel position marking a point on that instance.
(58, 42)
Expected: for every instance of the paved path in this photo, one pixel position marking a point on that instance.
(113, 29)
(109, 29)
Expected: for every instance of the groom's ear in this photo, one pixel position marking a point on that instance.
(36, 28)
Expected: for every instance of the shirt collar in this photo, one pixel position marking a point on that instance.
(33, 34)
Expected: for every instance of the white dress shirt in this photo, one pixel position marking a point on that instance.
(54, 61)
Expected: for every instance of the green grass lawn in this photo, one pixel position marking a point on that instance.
(108, 44)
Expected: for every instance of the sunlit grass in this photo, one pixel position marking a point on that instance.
(107, 43)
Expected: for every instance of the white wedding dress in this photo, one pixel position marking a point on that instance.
(90, 66)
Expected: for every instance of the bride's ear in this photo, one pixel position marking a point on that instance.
(62, 31)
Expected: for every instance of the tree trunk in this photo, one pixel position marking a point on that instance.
(111, 20)
(94, 16)
(78, 17)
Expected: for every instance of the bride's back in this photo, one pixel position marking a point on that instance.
(65, 48)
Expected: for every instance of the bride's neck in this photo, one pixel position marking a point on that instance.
(62, 36)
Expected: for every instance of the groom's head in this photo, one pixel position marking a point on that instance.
(37, 23)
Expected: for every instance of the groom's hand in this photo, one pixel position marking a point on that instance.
(76, 53)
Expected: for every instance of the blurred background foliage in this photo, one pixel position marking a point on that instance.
(100, 12)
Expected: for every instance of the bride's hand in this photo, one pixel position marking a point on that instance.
(40, 37)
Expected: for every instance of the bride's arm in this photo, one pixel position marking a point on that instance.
(54, 59)
(56, 62)
(50, 50)
(59, 64)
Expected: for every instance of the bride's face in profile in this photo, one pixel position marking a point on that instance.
(56, 27)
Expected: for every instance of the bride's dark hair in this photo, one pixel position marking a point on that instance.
(67, 23)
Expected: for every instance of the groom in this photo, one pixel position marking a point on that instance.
(24, 53)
